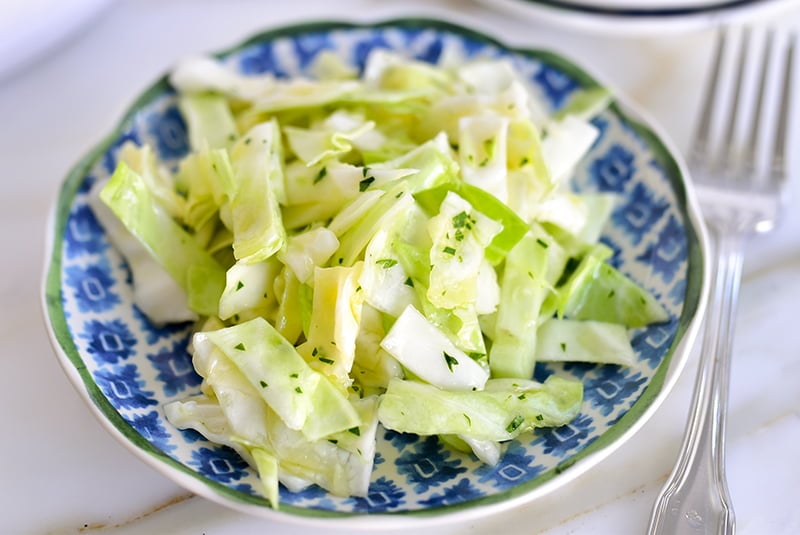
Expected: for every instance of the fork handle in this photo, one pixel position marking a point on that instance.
(695, 499)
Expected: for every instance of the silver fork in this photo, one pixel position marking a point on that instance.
(738, 198)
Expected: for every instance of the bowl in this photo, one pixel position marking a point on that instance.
(127, 368)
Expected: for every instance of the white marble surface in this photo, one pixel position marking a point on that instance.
(62, 473)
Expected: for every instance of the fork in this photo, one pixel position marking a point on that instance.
(738, 198)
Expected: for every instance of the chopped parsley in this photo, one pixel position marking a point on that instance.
(450, 360)
(460, 219)
(364, 184)
(514, 424)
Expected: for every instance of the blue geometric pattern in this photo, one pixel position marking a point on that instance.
(123, 388)
(463, 490)
(518, 465)
(613, 170)
(260, 59)
(139, 366)
(556, 84)
(92, 287)
(168, 134)
(427, 465)
(152, 428)
(640, 213)
(109, 342)
(666, 254)
(611, 387)
(384, 495)
(308, 46)
(175, 370)
(559, 441)
(220, 464)
(83, 235)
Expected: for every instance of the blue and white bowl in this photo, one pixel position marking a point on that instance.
(128, 369)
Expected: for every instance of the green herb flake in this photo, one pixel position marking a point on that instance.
(475, 355)
(340, 260)
(409, 282)
(523, 162)
(539, 418)
(611, 294)
(564, 347)
(355, 430)
(467, 418)
(449, 250)
(294, 375)
(386, 262)
(364, 184)
(314, 352)
(239, 346)
(521, 397)
(239, 285)
(333, 441)
(248, 141)
(450, 360)
(321, 174)
(514, 424)
(461, 219)
(263, 384)
(459, 236)
(326, 360)
(542, 243)
(298, 390)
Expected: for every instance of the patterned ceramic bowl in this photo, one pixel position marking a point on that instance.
(128, 369)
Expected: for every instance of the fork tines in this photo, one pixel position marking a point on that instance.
(731, 135)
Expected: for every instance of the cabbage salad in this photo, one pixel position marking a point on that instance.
(395, 247)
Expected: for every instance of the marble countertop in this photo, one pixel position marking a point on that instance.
(63, 473)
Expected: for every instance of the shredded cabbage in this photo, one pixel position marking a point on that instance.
(397, 248)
